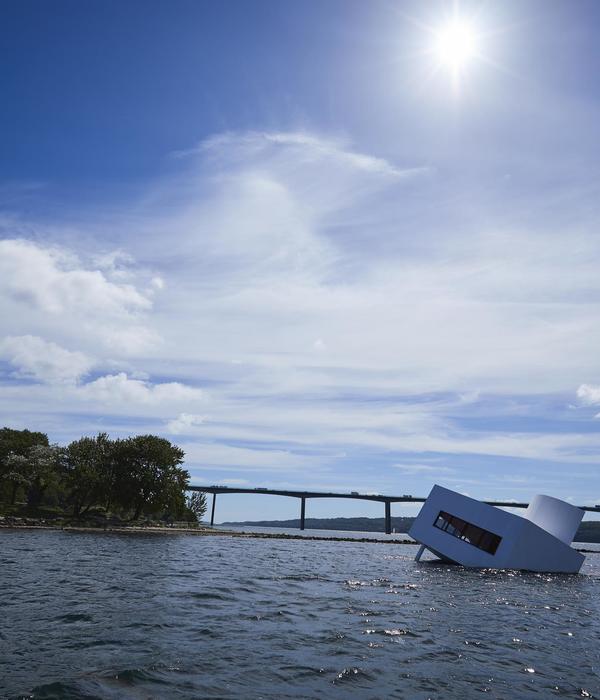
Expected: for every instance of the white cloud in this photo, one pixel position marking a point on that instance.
(282, 239)
(589, 394)
(119, 388)
(305, 146)
(229, 458)
(259, 205)
(52, 280)
(320, 289)
(115, 262)
(46, 289)
(43, 360)
(185, 423)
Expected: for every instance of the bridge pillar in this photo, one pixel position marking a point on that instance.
(388, 518)
(212, 512)
(302, 511)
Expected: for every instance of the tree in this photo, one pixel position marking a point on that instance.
(88, 472)
(44, 468)
(196, 503)
(134, 476)
(19, 441)
(16, 444)
(16, 474)
(149, 478)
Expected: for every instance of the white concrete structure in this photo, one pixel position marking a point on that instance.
(463, 530)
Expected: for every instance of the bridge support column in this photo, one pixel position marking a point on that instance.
(388, 518)
(212, 512)
(302, 511)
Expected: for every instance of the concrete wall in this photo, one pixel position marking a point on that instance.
(557, 517)
(524, 544)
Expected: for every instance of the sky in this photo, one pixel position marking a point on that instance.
(301, 244)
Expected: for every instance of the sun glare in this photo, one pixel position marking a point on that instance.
(455, 44)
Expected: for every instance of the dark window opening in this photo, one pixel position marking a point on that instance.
(472, 534)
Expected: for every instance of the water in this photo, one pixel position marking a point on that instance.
(353, 534)
(168, 616)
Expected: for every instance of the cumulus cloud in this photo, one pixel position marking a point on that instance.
(184, 423)
(48, 289)
(54, 281)
(45, 361)
(119, 388)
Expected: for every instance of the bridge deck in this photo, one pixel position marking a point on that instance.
(381, 498)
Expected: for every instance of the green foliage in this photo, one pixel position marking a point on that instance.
(129, 477)
(28, 465)
(19, 441)
(149, 478)
(14, 473)
(44, 467)
(88, 472)
(196, 504)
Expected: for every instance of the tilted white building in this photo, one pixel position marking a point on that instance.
(463, 530)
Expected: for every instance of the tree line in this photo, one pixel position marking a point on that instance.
(128, 478)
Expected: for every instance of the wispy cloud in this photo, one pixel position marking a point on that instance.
(426, 469)
(287, 302)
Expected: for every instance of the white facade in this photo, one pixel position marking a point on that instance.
(466, 531)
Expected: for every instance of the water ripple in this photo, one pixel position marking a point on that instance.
(101, 616)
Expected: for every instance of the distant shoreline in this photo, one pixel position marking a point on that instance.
(211, 532)
(197, 531)
(588, 532)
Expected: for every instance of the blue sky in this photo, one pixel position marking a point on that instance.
(284, 237)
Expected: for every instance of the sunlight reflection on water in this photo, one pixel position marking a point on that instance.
(113, 616)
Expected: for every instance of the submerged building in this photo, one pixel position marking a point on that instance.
(465, 531)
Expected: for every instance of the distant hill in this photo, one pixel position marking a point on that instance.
(589, 531)
(348, 524)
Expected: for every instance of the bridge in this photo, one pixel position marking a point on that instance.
(303, 495)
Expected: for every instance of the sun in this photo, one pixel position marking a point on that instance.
(455, 44)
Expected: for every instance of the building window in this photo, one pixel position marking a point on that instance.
(477, 536)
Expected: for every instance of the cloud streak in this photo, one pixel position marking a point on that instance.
(121, 389)
(286, 301)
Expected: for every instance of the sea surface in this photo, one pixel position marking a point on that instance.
(172, 616)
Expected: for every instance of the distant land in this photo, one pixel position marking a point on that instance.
(589, 531)
(350, 524)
